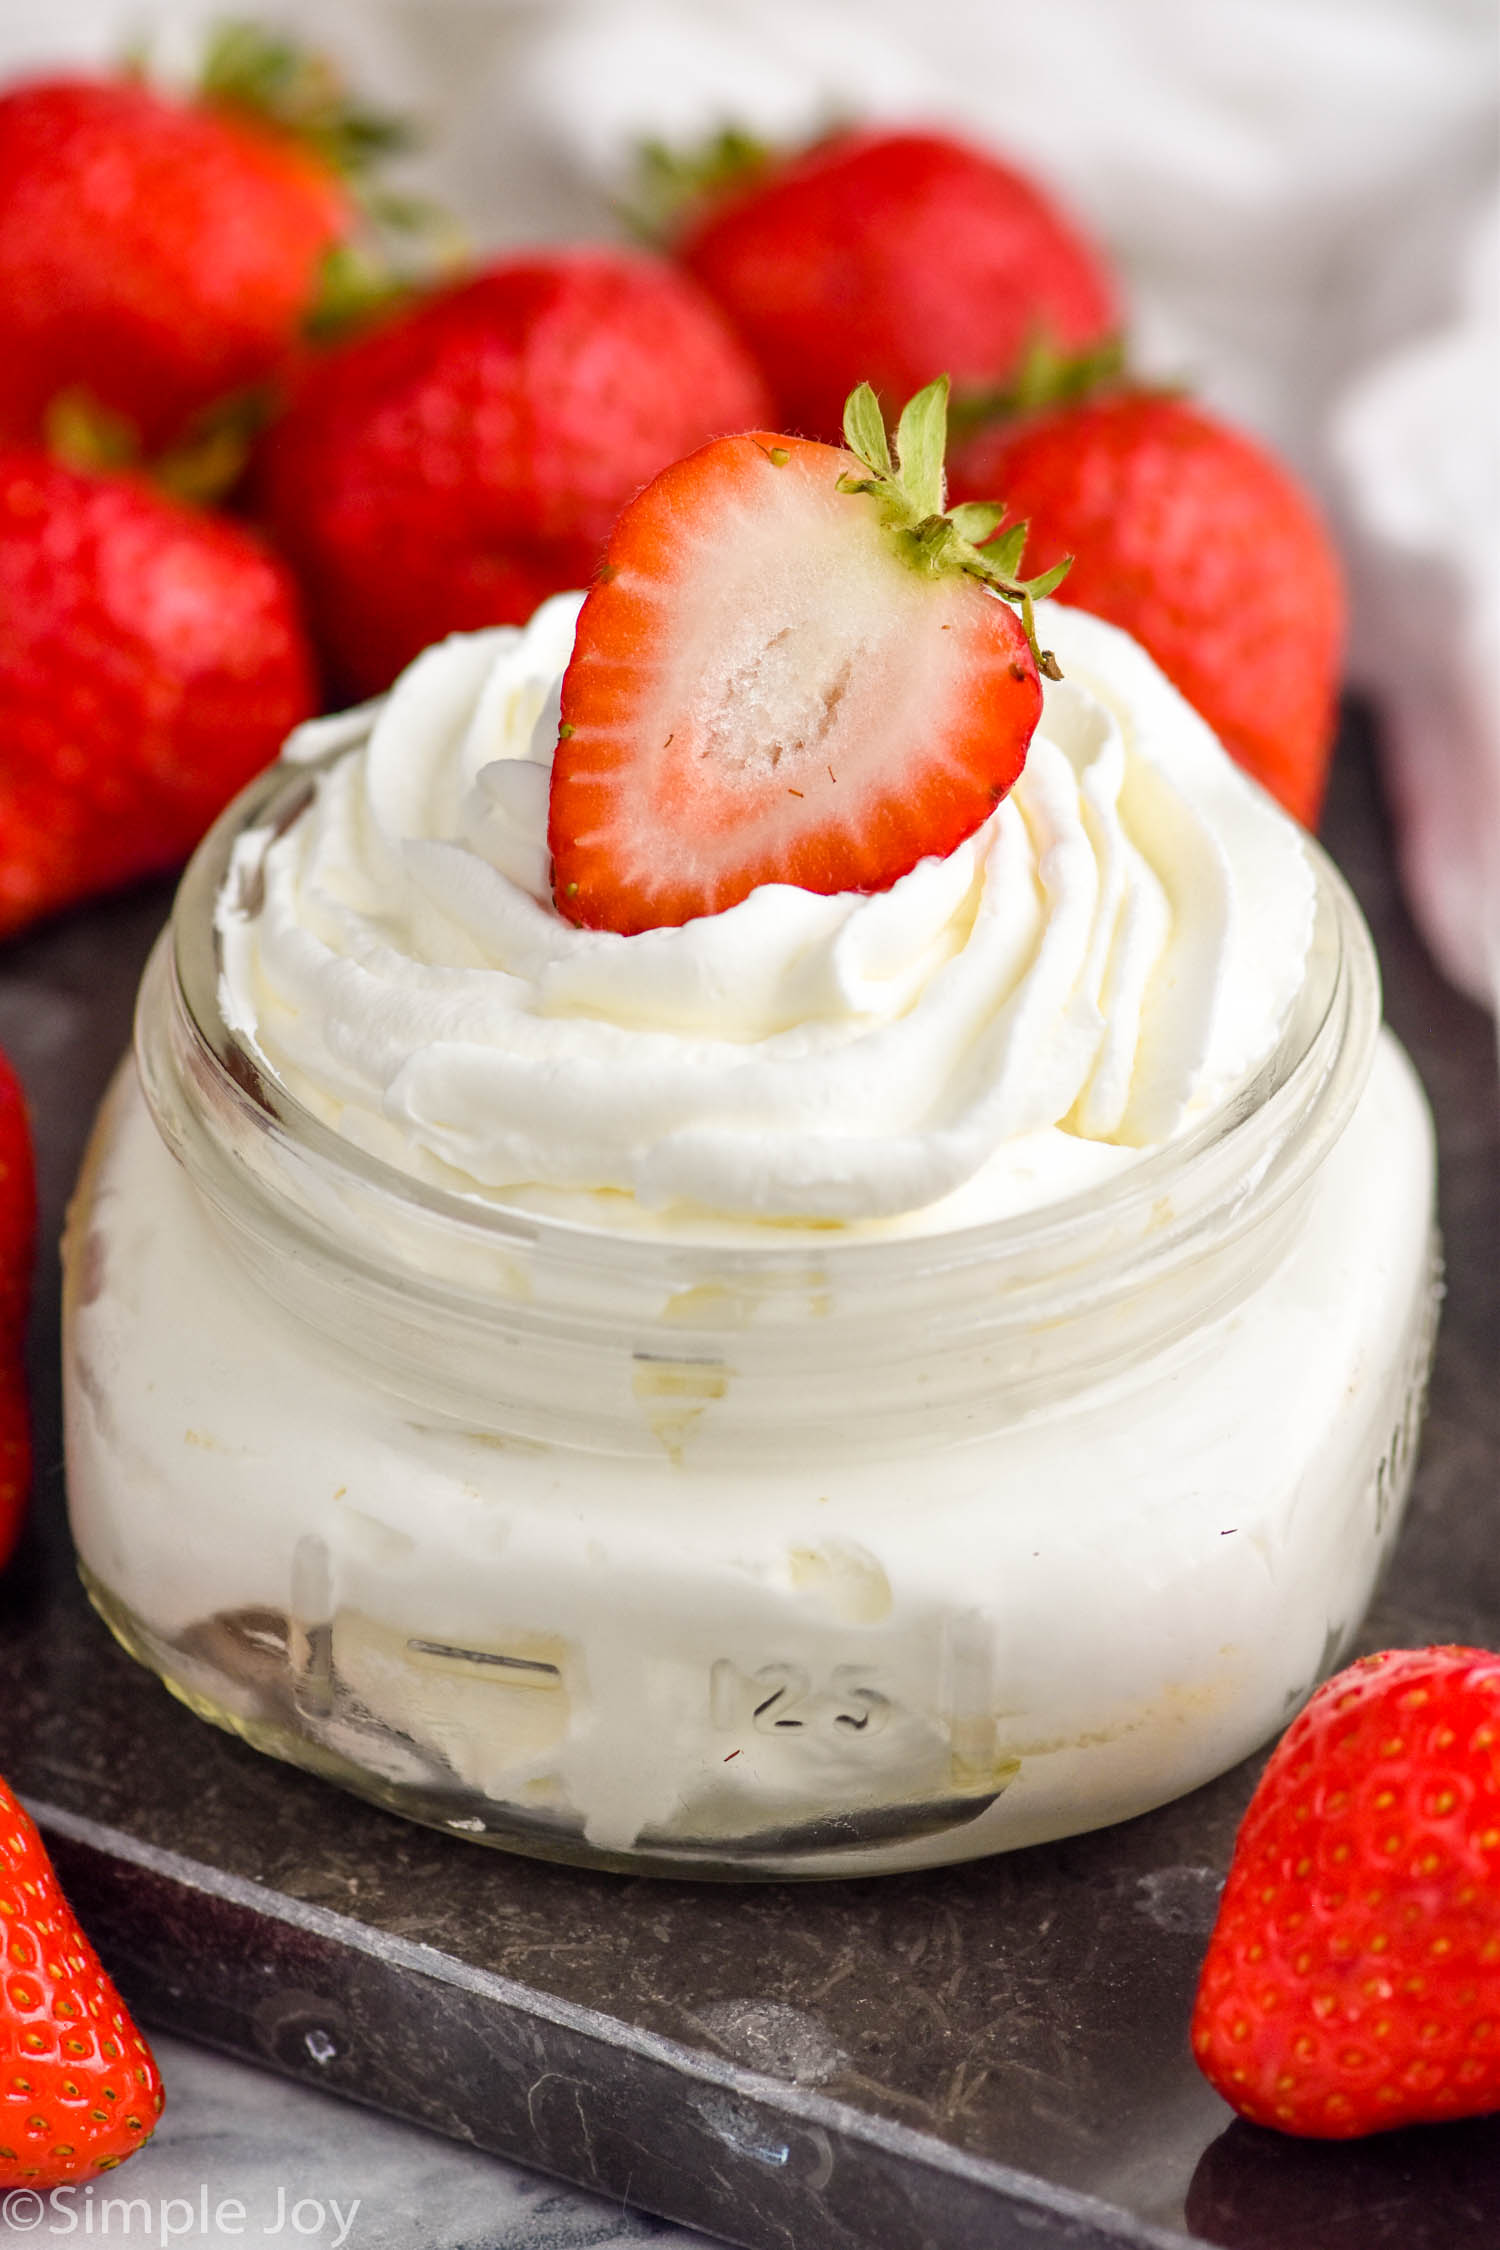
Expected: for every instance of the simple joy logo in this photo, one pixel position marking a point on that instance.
(165, 2220)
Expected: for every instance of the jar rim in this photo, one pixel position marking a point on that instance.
(1316, 1071)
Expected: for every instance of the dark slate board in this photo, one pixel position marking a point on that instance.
(965, 2060)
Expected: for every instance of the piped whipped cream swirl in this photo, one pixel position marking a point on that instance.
(1096, 968)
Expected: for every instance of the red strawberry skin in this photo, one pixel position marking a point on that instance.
(17, 1250)
(890, 258)
(1352, 1982)
(458, 465)
(157, 253)
(151, 660)
(79, 2088)
(1191, 537)
(762, 691)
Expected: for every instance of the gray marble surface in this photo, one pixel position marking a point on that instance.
(242, 2157)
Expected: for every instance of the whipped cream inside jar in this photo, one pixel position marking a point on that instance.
(847, 1383)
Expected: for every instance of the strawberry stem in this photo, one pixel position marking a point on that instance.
(910, 490)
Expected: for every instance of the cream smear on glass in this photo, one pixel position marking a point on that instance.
(1093, 970)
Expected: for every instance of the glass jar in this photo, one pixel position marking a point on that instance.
(818, 1557)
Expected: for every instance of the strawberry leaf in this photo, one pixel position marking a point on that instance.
(1048, 376)
(864, 431)
(671, 183)
(404, 214)
(206, 461)
(1004, 555)
(976, 519)
(301, 93)
(921, 442)
(210, 457)
(1050, 580)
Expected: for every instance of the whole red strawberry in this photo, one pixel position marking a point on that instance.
(157, 252)
(151, 660)
(1190, 536)
(890, 257)
(79, 2089)
(1353, 1978)
(456, 466)
(17, 1246)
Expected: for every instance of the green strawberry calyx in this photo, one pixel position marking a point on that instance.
(910, 488)
(672, 184)
(301, 92)
(400, 241)
(1047, 376)
(200, 467)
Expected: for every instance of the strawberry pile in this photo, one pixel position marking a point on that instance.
(202, 320)
(157, 259)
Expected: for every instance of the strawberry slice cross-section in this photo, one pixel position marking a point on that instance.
(794, 667)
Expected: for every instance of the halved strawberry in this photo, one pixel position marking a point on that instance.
(794, 668)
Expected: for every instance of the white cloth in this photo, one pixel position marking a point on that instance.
(1415, 440)
(1286, 186)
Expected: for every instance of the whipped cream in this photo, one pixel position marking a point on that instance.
(1099, 966)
